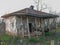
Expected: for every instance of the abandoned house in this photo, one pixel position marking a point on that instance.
(29, 22)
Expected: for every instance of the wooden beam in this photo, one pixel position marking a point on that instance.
(36, 23)
(42, 25)
(52, 42)
(55, 22)
(28, 27)
(22, 27)
(49, 24)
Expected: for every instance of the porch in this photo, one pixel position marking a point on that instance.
(33, 26)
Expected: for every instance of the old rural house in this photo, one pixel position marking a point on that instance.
(29, 22)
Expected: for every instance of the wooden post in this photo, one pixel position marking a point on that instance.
(36, 23)
(43, 25)
(28, 27)
(56, 22)
(36, 26)
(22, 27)
(48, 25)
(58, 42)
(52, 42)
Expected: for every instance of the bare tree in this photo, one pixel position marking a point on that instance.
(39, 3)
(42, 6)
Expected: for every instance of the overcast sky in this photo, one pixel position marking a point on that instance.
(7, 6)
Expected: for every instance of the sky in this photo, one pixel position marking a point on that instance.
(8, 6)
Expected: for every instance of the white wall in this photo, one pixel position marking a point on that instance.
(8, 22)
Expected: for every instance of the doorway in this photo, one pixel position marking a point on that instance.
(30, 27)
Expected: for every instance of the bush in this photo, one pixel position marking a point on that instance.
(47, 34)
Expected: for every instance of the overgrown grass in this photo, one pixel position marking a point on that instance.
(44, 38)
(58, 30)
(5, 37)
(15, 40)
(32, 40)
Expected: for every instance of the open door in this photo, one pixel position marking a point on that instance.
(30, 27)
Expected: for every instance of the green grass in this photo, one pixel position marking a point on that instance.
(32, 39)
(58, 30)
(46, 38)
(6, 37)
(15, 40)
(43, 38)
